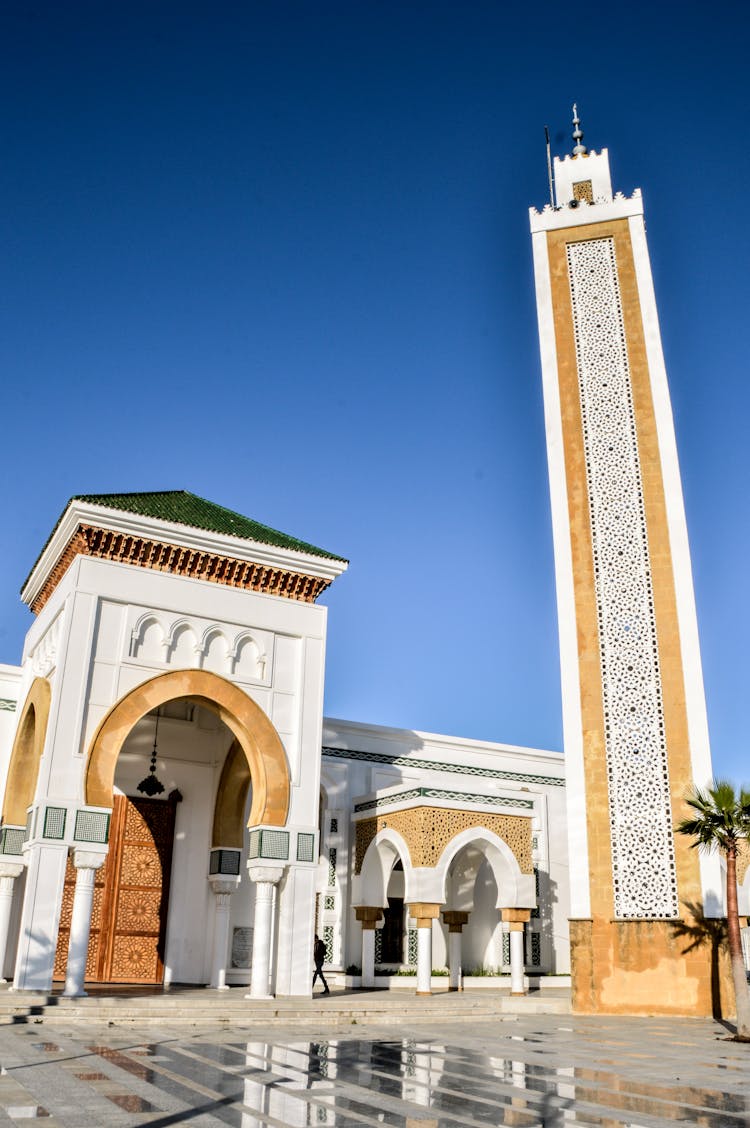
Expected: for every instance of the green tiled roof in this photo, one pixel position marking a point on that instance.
(183, 508)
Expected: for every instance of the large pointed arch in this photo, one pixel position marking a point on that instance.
(28, 746)
(258, 739)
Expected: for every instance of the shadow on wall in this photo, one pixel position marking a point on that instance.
(701, 933)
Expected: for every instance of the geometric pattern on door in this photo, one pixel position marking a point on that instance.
(131, 897)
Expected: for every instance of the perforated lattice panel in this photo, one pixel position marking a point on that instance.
(643, 865)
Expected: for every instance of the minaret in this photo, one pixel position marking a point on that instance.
(634, 715)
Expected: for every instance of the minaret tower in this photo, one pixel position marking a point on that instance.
(634, 713)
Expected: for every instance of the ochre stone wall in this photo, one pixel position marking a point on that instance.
(650, 967)
(428, 830)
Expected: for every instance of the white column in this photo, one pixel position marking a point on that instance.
(9, 871)
(368, 954)
(454, 959)
(266, 880)
(223, 891)
(86, 863)
(516, 960)
(424, 957)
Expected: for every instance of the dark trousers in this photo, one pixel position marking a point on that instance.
(318, 973)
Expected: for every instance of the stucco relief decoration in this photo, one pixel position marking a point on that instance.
(44, 658)
(189, 644)
(428, 830)
(643, 865)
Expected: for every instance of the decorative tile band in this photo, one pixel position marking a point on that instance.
(224, 862)
(438, 766)
(305, 847)
(12, 839)
(91, 826)
(54, 823)
(643, 864)
(7, 705)
(272, 844)
(438, 793)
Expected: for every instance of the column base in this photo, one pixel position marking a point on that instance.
(75, 994)
(454, 988)
(423, 993)
(518, 994)
(218, 987)
(259, 997)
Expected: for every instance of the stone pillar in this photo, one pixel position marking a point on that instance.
(86, 862)
(516, 919)
(455, 921)
(424, 914)
(368, 916)
(37, 935)
(266, 879)
(9, 871)
(223, 888)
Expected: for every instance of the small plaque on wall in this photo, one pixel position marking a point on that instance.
(242, 947)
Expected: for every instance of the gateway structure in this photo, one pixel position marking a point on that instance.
(177, 808)
(176, 811)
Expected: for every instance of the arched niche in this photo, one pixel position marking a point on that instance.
(260, 743)
(229, 809)
(26, 753)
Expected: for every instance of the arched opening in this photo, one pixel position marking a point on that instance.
(186, 762)
(481, 876)
(251, 727)
(26, 753)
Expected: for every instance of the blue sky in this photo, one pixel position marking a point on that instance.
(278, 255)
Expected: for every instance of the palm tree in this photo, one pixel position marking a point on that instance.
(721, 820)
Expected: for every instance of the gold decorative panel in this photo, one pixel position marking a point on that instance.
(135, 959)
(428, 830)
(131, 896)
(141, 865)
(582, 190)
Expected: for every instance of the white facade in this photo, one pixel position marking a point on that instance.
(126, 659)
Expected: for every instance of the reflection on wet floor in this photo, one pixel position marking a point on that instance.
(535, 1079)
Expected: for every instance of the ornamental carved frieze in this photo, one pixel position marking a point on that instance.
(428, 830)
(179, 561)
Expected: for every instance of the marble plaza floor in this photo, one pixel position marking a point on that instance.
(543, 1070)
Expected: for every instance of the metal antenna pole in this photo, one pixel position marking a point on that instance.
(549, 169)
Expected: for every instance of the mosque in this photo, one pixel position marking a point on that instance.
(177, 809)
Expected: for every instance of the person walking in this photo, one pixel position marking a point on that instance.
(319, 956)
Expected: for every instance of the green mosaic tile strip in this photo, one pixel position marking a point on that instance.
(54, 823)
(224, 862)
(7, 705)
(435, 765)
(272, 844)
(91, 826)
(12, 839)
(305, 847)
(449, 796)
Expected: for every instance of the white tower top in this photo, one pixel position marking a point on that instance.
(583, 189)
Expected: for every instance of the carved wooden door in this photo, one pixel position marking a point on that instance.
(131, 896)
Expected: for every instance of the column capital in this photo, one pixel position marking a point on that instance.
(424, 912)
(270, 874)
(11, 869)
(222, 885)
(455, 919)
(516, 916)
(368, 916)
(89, 859)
